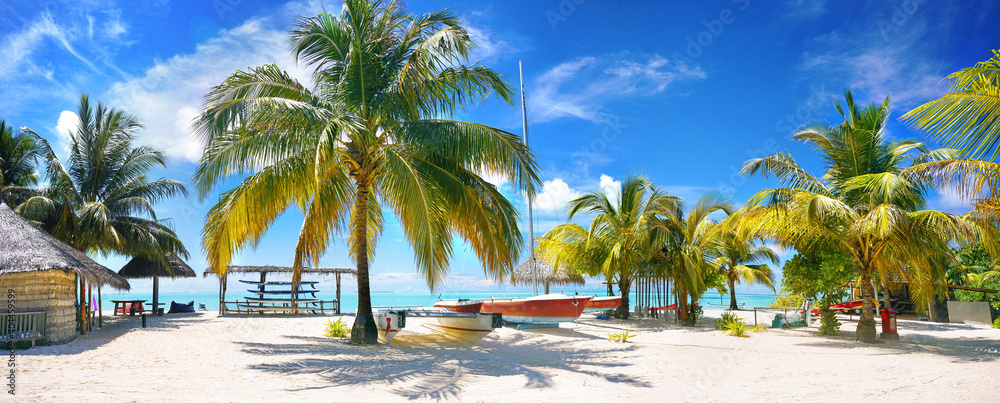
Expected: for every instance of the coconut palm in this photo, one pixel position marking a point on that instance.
(741, 256)
(968, 118)
(371, 132)
(620, 240)
(102, 201)
(864, 205)
(18, 156)
(690, 248)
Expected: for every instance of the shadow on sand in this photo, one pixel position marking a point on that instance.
(113, 328)
(424, 366)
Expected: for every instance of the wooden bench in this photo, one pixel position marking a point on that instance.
(26, 326)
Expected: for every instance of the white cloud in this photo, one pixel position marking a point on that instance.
(169, 94)
(804, 9)
(611, 188)
(554, 196)
(488, 47)
(66, 125)
(578, 88)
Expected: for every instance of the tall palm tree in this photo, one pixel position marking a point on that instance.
(741, 256)
(18, 156)
(968, 118)
(690, 248)
(620, 240)
(372, 132)
(102, 201)
(864, 205)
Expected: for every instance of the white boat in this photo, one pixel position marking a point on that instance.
(389, 323)
(468, 326)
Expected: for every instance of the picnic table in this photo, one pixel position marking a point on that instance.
(132, 305)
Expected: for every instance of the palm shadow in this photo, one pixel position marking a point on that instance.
(427, 366)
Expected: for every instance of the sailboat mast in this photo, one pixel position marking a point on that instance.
(531, 229)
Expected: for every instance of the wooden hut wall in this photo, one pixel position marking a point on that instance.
(52, 291)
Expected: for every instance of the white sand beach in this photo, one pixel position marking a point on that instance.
(205, 357)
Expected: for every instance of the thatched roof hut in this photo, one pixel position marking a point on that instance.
(143, 267)
(43, 270)
(545, 274)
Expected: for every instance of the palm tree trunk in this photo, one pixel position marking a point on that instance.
(365, 331)
(732, 295)
(683, 313)
(622, 311)
(866, 325)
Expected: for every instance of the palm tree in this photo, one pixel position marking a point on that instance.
(620, 240)
(690, 249)
(864, 206)
(103, 200)
(18, 155)
(740, 255)
(372, 132)
(969, 119)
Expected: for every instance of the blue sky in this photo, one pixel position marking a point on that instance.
(683, 92)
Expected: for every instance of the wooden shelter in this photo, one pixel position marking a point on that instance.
(545, 274)
(47, 275)
(142, 267)
(263, 271)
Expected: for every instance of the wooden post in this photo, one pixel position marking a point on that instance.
(338, 293)
(83, 306)
(100, 309)
(156, 295)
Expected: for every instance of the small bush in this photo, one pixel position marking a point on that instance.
(996, 323)
(738, 329)
(621, 337)
(699, 313)
(758, 328)
(723, 322)
(829, 325)
(337, 329)
(788, 300)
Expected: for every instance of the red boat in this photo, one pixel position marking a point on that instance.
(603, 303)
(543, 309)
(460, 305)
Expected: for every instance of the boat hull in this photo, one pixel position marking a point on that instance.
(543, 309)
(470, 329)
(388, 324)
(598, 304)
(461, 305)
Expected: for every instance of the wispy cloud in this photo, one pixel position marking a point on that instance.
(799, 10)
(880, 55)
(581, 87)
(168, 94)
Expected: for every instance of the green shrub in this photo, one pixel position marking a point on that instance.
(829, 325)
(758, 328)
(737, 328)
(788, 300)
(996, 324)
(699, 313)
(337, 329)
(621, 337)
(723, 322)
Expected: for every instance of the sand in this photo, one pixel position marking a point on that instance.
(205, 357)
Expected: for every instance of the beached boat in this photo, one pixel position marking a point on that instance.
(460, 305)
(542, 309)
(597, 304)
(468, 326)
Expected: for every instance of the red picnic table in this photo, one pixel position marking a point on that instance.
(132, 306)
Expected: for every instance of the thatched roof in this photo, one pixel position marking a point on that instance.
(26, 248)
(141, 267)
(284, 269)
(545, 274)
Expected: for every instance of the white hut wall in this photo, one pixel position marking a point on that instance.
(51, 291)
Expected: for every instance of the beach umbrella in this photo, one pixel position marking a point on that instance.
(546, 275)
(142, 267)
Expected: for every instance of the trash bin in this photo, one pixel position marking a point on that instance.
(889, 324)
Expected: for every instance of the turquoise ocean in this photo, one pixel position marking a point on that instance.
(349, 300)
